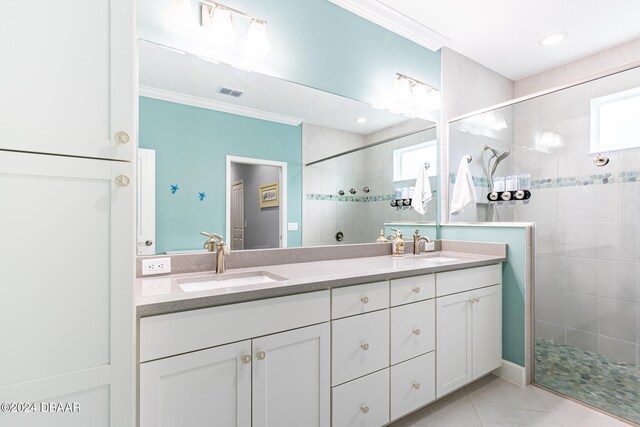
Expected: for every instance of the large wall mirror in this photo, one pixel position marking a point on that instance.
(267, 162)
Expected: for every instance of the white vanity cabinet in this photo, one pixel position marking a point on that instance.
(68, 78)
(280, 379)
(469, 331)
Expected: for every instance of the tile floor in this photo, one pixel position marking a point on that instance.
(494, 402)
(589, 377)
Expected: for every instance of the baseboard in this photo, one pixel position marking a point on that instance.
(511, 372)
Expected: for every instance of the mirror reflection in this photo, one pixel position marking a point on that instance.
(268, 163)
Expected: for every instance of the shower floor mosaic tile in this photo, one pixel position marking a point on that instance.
(589, 377)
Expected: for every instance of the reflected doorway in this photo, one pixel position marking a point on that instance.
(256, 203)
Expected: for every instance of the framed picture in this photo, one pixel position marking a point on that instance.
(269, 196)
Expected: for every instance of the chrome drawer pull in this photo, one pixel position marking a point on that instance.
(364, 346)
(416, 331)
(364, 409)
(416, 385)
(261, 355)
(365, 300)
(246, 358)
(416, 289)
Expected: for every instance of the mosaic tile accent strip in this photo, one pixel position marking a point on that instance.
(567, 181)
(589, 377)
(338, 198)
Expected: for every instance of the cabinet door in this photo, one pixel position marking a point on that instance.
(68, 77)
(291, 378)
(67, 274)
(203, 388)
(453, 342)
(487, 329)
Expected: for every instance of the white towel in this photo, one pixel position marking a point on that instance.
(422, 191)
(464, 192)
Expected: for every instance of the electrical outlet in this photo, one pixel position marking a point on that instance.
(431, 246)
(156, 266)
(292, 226)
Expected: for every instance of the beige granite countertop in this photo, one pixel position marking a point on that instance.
(163, 294)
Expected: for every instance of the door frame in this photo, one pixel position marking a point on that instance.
(282, 182)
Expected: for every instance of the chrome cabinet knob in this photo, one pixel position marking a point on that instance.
(122, 180)
(416, 331)
(416, 385)
(261, 355)
(365, 300)
(122, 137)
(364, 346)
(416, 289)
(148, 242)
(364, 409)
(246, 358)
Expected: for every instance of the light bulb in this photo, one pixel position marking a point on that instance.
(402, 89)
(419, 97)
(434, 102)
(257, 43)
(179, 18)
(222, 31)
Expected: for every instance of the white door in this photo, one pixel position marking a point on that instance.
(291, 378)
(453, 342)
(146, 208)
(209, 387)
(66, 287)
(68, 77)
(237, 215)
(487, 329)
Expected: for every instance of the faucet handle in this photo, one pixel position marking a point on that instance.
(209, 235)
(417, 232)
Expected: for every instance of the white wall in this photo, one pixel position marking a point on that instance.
(593, 64)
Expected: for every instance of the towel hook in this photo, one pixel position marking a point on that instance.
(427, 165)
(469, 158)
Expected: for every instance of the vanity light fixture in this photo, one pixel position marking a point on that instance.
(554, 38)
(219, 18)
(179, 18)
(423, 96)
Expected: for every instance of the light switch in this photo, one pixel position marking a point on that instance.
(292, 226)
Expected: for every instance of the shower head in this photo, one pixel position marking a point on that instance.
(493, 150)
(498, 158)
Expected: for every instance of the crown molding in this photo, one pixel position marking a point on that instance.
(392, 20)
(209, 104)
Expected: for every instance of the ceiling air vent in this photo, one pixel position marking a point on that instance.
(230, 92)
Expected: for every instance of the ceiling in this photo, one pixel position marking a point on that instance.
(503, 35)
(185, 78)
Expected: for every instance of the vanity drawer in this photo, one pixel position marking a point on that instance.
(413, 384)
(412, 289)
(452, 282)
(360, 345)
(413, 330)
(363, 402)
(359, 299)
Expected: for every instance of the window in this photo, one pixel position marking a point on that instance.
(406, 161)
(615, 121)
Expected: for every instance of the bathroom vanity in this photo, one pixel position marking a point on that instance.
(347, 342)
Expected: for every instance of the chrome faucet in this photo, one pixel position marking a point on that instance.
(416, 241)
(217, 244)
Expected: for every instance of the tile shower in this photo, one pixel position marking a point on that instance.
(362, 215)
(587, 248)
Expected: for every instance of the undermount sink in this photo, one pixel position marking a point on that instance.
(215, 281)
(438, 258)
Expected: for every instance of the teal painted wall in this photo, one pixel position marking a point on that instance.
(513, 281)
(191, 144)
(407, 230)
(314, 43)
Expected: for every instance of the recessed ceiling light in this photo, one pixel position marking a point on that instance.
(361, 120)
(554, 38)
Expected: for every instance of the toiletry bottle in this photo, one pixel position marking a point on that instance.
(399, 244)
(382, 239)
